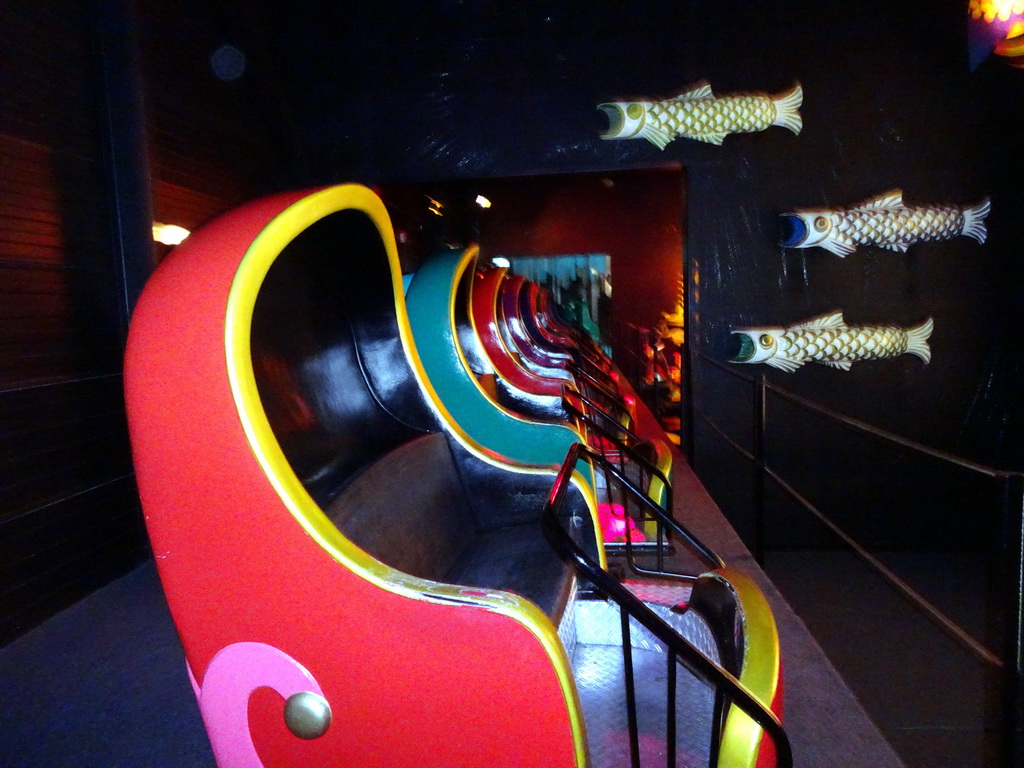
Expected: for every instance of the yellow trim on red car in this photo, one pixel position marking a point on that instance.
(741, 736)
(252, 270)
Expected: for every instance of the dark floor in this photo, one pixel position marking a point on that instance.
(102, 685)
(931, 698)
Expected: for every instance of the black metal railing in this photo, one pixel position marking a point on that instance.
(679, 649)
(634, 493)
(611, 399)
(642, 360)
(627, 341)
(620, 448)
(1008, 499)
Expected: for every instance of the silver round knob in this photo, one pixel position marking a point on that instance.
(307, 715)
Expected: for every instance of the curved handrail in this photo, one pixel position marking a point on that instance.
(613, 434)
(953, 629)
(861, 426)
(595, 408)
(659, 513)
(613, 398)
(696, 662)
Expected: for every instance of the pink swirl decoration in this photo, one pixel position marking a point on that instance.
(231, 677)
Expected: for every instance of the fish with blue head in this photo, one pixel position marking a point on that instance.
(884, 221)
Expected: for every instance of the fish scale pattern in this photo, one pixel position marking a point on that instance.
(905, 225)
(838, 344)
(728, 114)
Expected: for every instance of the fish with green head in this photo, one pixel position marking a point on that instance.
(828, 340)
(698, 114)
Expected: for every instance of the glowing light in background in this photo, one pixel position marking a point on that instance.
(991, 10)
(435, 206)
(483, 202)
(169, 234)
(501, 261)
(996, 25)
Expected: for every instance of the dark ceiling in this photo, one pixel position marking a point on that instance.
(410, 91)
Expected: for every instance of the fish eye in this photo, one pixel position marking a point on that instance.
(766, 341)
(634, 111)
(820, 223)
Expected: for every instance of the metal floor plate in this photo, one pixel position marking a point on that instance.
(598, 667)
(599, 676)
(598, 622)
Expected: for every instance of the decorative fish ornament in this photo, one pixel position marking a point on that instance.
(885, 222)
(699, 114)
(830, 341)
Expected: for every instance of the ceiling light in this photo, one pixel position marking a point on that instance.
(169, 234)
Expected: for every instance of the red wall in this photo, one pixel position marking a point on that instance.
(634, 217)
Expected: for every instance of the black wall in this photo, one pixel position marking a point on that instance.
(395, 93)
(106, 115)
(465, 90)
(69, 517)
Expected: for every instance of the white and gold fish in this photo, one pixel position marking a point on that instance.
(830, 341)
(885, 222)
(699, 114)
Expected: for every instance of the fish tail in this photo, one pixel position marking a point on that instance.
(974, 220)
(787, 109)
(917, 340)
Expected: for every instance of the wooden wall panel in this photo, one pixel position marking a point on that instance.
(188, 208)
(48, 75)
(69, 514)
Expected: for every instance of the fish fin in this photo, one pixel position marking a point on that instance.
(657, 136)
(901, 247)
(787, 109)
(974, 220)
(917, 340)
(831, 320)
(710, 138)
(784, 363)
(701, 90)
(890, 199)
(839, 245)
(843, 365)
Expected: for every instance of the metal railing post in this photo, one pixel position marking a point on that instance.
(760, 417)
(1006, 610)
(1012, 587)
(691, 388)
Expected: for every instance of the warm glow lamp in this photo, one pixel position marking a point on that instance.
(996, 25)
(169, 234)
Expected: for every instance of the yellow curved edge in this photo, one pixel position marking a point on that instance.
(252, 270)
(501, 343)
(760, 674)
(466, 259)
(514, 354)
(664, 464)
